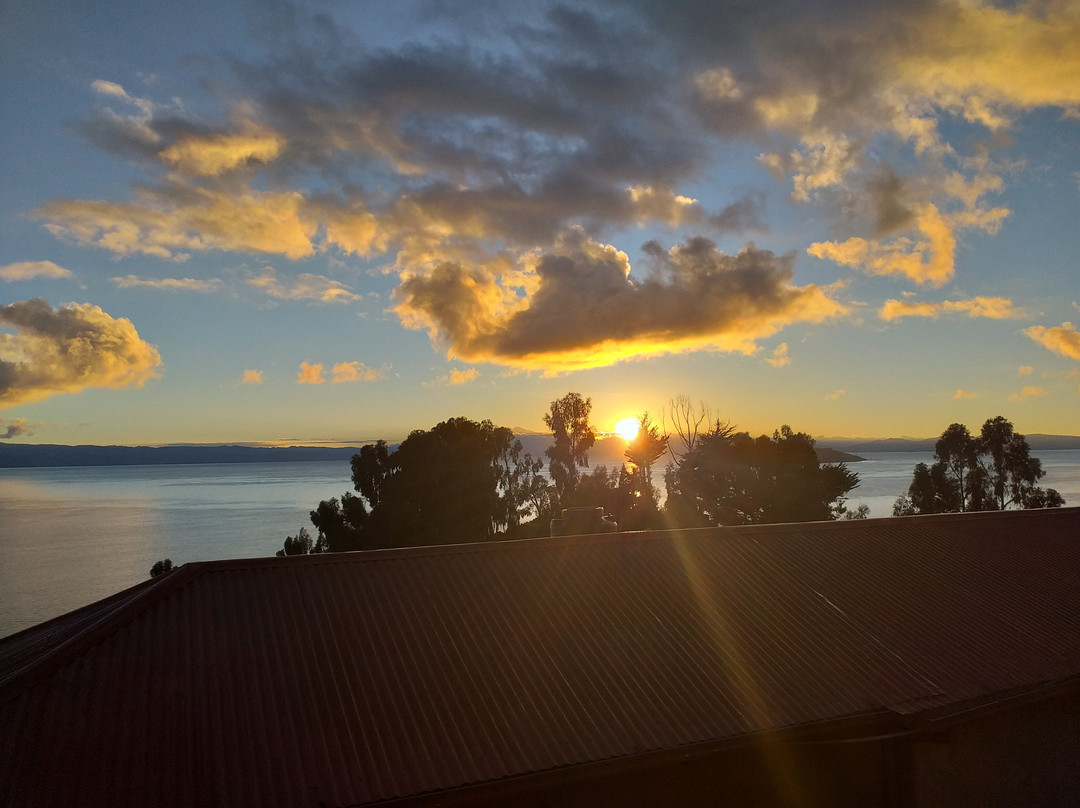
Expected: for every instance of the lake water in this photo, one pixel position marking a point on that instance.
(71, 536)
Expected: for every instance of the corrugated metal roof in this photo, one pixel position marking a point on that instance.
(354, 678)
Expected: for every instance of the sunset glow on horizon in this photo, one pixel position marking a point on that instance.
(328, 222)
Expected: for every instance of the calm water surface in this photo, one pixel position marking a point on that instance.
(71, 536)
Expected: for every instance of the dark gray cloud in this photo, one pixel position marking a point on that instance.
(582, 307)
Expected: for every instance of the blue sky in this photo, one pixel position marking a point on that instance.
(340, 221)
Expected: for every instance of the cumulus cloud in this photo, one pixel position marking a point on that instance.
(358, 372)
(167, 284)
(251, 377)
(994, 308)
(779, 356)
(467, 165)
(576, 305)
(28, 270)
(305, 286)
(1030, 391)
(310, 374)
(1063, 339)
(1025, 370)
(835, 394)
(67, 350)
(962, 394)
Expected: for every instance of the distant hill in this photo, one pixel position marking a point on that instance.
(608, 451)
(1037, 442)
(19, 455)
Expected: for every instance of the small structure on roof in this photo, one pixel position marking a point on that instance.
(920, 661)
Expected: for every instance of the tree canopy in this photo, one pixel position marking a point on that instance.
(729, 478)
(992, 471)
(572, 437)
(460, 481)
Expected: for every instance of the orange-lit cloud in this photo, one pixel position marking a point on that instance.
(994, 308)
(962, 394)
(1030, 391)
(455, 377)
(251, 377)
(28, 270)
(305, 286)
(1063, 339)
(835, 394)
(310, 374)
(175, 221)
(779, 356)
(358, 372)
(67, 350)
(215, 154)
(1025, 370)
(465, 174)
(576, 306)
(167, 284)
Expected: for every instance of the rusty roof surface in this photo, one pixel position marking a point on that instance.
(354, 678)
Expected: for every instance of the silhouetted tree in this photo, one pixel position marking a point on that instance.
(573, 436)
(448, 485)
(300, 544)
(161, 567)
(730, 478)
(342, 525)
(993, 471)
(460, 481)
(370, 469)
(644, 450)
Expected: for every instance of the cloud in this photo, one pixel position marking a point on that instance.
(1025, 370)
(779, 356)
(310, 374)
(835, 395)
(962, 394)
(454, 377)
(173, 221)
(358, 372)
(994, 308)
(305, 286)
(14, 428)
(251, 377)
(1030, 391)
(1063, 339)
(215, 154)
(465, 158)
(167, 284)
(68, 350)
(576, 306)
(28, 270)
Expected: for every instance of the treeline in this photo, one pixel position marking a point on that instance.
(467, 481)
(991, 471)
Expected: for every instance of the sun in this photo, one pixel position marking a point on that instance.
(627, 428)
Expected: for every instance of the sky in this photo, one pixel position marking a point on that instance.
(331, 222)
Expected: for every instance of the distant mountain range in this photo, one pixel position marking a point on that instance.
(1037, 443)
(607, 451)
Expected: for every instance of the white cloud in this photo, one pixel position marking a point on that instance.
(28, 270)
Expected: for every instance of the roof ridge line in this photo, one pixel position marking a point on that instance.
(127, 609)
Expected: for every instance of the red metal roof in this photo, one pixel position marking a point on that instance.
(353, 678)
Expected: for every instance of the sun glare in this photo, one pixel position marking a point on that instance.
(627, 428)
